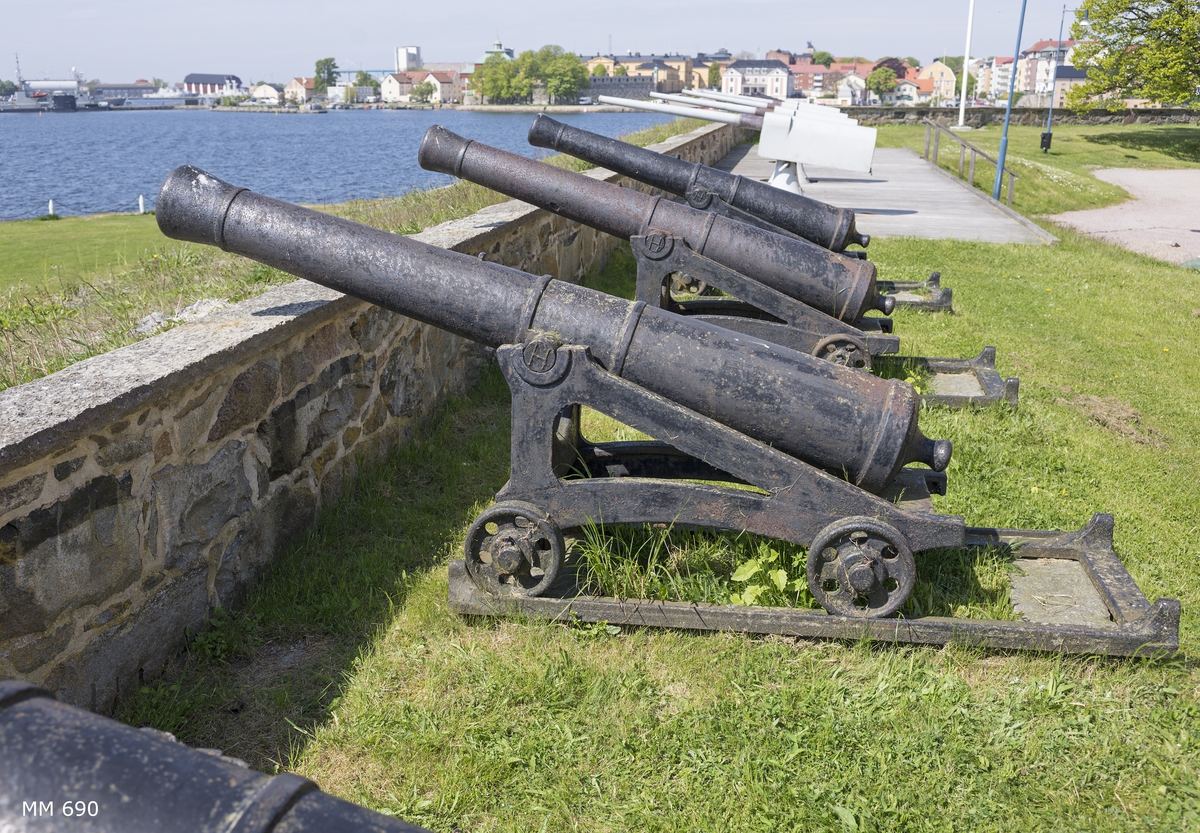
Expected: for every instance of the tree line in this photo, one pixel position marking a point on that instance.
(504, 80)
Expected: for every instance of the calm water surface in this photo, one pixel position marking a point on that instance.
(93, 162)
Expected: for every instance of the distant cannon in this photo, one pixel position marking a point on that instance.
(827, 226)
(840, 287)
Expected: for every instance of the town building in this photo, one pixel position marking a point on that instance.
(199, 83)
(138, 89)
(769, 78)
(944, 81)
(445, 85)
(395, 86)
(668, 73)
(1068, 77)
(1035, 67)
(269, 94)
(300, 90)
(408, 58)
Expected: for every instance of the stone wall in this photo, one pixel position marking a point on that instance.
(143, 488)
(982, 116)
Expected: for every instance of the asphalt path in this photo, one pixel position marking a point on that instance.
(1162, 220)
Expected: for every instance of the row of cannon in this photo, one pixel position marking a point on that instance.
(765, 415)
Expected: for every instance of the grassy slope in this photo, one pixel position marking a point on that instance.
(60, 253)
(511, 725)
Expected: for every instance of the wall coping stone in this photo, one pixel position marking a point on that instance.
(42, 416)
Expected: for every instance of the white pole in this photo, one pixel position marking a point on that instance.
(141, 204)
(962, 95)
(51, 211)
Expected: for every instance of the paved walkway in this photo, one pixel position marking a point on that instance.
(1163, 223)
(903, 196)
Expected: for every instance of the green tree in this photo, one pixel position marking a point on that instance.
(1138, 49)
(714, 75)
(913, 62)
(325, 75)
(7, 88)
(599, 71)
(620, 71)
(823, 58)
(365, 79)
(420, 93)
(881, 80)
(158, 82)
(494, 79)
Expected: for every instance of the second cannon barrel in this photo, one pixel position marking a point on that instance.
(836, 285)
(846, 422)
(821, 223)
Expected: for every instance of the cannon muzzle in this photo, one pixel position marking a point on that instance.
(66, 769)
(843, 421)
(836, 285)
(827, 226)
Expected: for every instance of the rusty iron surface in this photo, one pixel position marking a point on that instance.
(843, 287)
(928, 294)
(102, 776)
(705, 188)
(834, 418)
(1134, 626)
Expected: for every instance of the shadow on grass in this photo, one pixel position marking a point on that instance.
(1181, 143)
(256, 681)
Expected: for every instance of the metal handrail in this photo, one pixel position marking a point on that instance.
(964, 146)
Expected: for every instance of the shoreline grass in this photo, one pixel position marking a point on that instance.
(79, 287)
(346, 665)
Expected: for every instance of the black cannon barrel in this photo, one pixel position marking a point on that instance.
(66, 769)
(841, 420)
(836, 285)
(819, 222)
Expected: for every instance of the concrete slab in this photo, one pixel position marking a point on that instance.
(1164, 223)
(1057, 591)
(903, 196)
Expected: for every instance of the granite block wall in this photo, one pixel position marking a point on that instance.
(143, 488)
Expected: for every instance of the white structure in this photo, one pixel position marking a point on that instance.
(396, 85)
(269, 94)
(770, 78)
(408, 58)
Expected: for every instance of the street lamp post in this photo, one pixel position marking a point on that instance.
(1012, 81)
(1048, 136)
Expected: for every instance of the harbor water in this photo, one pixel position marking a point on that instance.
(96, 162)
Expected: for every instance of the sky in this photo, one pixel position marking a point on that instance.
(273, 40)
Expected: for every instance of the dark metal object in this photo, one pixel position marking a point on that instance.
(753, 308)
(839, 286)
(66, 769)
(859, 566)
(561, 482)
(906, 293)
(852, 423)
(705, 188)
(1136, 626)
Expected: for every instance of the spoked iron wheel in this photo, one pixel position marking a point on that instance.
(861, 567)
(844, 350)
(512, 549)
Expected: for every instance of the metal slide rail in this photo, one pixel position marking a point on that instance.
(934, 131)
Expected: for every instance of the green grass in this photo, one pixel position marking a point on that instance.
(61, 254)
(79, 287)
(347, 666)
(1061, 180)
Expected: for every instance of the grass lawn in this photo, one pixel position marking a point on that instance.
(57, 254)
(346, 665)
